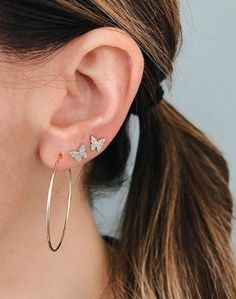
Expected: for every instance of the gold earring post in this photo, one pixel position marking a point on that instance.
(49, 205)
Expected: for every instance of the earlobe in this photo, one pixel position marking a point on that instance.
(98, 86)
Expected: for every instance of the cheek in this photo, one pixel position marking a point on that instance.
(15, 152)
(15, 130)
(28, 99)
(17, 145)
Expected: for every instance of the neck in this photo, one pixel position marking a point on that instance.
(29, 269)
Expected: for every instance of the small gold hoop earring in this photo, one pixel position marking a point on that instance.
(49, 205)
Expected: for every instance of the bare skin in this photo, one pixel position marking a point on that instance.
(85, 89)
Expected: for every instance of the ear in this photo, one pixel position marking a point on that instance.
(100, 73)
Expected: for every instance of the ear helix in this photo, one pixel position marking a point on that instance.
(81, 152)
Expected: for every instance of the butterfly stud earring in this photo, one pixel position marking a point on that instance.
(79, 154)
(96, 144)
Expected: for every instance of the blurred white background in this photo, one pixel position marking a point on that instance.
(204, 89)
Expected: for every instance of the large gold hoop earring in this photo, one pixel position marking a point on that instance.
(49, 205)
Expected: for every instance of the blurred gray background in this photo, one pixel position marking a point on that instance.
(204, 90)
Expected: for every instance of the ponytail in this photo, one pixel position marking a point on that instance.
(175, 240)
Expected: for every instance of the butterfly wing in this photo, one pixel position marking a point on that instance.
(100, 144)
(73, 153)
(93, 143)
(82, 151)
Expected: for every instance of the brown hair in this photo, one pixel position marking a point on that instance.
(175, 231)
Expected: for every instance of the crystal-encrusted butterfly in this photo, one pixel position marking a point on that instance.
(96, 144)
(79, 154)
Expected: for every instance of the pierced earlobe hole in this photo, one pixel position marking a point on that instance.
(58, 159)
